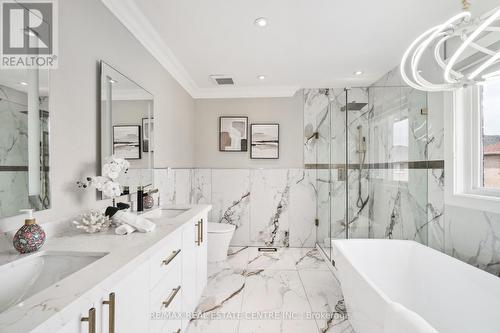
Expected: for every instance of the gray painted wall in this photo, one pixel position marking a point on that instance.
(287, 111)
(73, 103)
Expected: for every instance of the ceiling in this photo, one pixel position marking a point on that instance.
(307, 43)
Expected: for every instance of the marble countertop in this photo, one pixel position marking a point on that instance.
(52, 308)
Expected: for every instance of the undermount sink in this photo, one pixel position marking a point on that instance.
(23, 278)
(172, 212)
(164, 212)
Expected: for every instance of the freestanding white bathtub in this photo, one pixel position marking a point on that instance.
(394, 286)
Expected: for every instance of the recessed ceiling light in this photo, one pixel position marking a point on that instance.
(260, 22)
(358, 73)
(261, 77)
(23, 83)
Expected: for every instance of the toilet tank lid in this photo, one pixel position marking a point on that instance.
(220, 227)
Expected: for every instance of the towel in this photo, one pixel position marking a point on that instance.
(124, 229)
(132, 220)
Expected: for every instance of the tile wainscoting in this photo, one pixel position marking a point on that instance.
(269, 207)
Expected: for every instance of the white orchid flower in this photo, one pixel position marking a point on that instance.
(111, 189)
(111, 170)
(99, 182)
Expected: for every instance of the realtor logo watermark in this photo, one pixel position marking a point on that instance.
(29, 34)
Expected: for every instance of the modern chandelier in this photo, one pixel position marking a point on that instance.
(474, 59)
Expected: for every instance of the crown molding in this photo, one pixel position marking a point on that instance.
(136, 22)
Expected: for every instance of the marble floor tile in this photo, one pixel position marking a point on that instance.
(282, 259)
(237, 257)
(310, 259)
(326, 303)
(290, 291)
(278, 326)
(221, 299)
(275, 290)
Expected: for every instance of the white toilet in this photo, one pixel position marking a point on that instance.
(219, 237)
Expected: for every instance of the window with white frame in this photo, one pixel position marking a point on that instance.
(490, 135)
(472, 161)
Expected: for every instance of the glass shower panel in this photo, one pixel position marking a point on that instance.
(358, 115)
(398, 163)
(338, 164)
(323, 179)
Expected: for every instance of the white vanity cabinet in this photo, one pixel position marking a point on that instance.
(153, 296)
(194, 268)
(126, 307)
(76, 325)
(201, 259)
(123, 309)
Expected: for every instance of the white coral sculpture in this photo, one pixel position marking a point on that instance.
(93, 222)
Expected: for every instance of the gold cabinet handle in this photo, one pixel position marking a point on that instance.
(201, 232)
(91, 320)
(197, 241)
(178, 331)
(170, 298)
(111, 303)
(171, 257)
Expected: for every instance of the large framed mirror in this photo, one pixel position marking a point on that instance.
(127, 127)
(24, 140)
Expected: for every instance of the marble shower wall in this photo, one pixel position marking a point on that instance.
(426, 143)
(269, 207)
(14, 154)
(324, 114)
(404, 203)
(383, 201)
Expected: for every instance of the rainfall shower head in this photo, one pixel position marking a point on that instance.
(353, 106)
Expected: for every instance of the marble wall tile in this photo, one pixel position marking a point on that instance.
(315, 102)
(201, 188)
(13, 128)
(269, 209)
(174, 185)
(435, 209)
(435, 126)
(14, 192)
(161, 179)
(302, 209)
(473, 236)
(337, 206)
(231, 201)
(399, 210)
(359, 203)
(135, 178)
(182, 186)
(323, 206)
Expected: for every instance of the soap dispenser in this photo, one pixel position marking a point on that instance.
(30, 237)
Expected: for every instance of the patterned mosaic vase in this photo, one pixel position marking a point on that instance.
(149, 201)
(29, 238)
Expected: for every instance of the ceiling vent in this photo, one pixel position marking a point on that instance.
(222, 80)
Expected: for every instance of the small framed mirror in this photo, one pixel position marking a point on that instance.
(24, 140)
(127, 127)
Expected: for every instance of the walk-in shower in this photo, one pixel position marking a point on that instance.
(367, 152)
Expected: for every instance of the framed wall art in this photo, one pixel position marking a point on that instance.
(233, 134)
(265, 141)
(126, 141)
